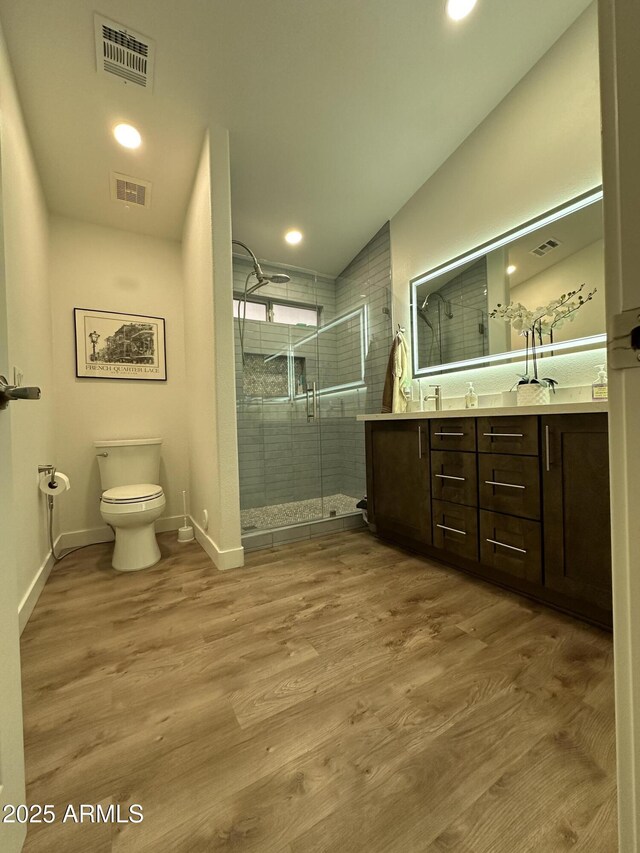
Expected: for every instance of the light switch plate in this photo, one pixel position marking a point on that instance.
(620, 353)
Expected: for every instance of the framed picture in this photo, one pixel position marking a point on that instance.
(110, 345)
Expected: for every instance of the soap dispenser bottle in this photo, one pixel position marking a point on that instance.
(600, 388)
(471, 398)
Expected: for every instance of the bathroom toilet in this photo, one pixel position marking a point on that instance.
(131, 499)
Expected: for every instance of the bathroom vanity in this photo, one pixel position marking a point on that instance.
(517, 497)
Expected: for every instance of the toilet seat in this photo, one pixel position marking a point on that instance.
(122, 495)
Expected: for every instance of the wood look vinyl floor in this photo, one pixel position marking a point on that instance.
(337, 695)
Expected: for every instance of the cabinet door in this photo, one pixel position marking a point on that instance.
(453, 434)
(506, 434)
(398, 478)
(577, 534)
(454, 477)
(455, 529)
(510, 484)
(511, 545)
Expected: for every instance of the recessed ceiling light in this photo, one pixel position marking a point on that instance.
(511, 269)
(293, 237)
(127, 135)
(459, 9)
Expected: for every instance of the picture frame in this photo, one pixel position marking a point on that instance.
(114, 345)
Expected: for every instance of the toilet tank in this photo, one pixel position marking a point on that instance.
(126, 462)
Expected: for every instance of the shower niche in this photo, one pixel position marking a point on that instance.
(276, 376)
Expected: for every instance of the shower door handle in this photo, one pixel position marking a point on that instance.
(312, 413)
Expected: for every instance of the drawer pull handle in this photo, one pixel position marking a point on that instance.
(450, 433)
(503, 545)
(419, 442)
(506, 485)
(504, 434)
(452, 529)
(449, 477)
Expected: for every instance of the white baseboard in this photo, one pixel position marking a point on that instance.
(168, 523)
(30, 599)
(232, 558)
(76, 539)
(95, 535)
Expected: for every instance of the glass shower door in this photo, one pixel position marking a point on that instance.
(279, 441)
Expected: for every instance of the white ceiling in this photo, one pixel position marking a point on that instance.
(338, 110)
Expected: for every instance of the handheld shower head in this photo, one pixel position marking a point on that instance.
(276, 278)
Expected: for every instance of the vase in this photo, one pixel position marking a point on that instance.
(533, 394)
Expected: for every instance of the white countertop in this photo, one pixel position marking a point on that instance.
(493, 411)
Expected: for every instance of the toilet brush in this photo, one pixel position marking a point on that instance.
(185, 533)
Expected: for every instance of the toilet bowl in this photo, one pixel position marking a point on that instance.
(131, 499)
(132, 511)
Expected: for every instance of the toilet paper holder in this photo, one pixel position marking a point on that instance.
(51, 470)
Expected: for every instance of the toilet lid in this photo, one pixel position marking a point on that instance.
(132, 494)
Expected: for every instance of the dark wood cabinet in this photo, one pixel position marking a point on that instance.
(455, 529)
(575, 476)
(399, 500)
(453, 434)
(511, 545)
(504, 434)
(454, 477)
(519, 500)
(510, 484)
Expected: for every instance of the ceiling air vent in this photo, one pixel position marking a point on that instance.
(124, 53)
(130, 191)
(545, 248)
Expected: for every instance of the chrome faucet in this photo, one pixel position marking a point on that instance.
(437, 396)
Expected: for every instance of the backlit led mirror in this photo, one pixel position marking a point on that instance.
(533, 264)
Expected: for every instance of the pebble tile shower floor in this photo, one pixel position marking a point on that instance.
(294, 512)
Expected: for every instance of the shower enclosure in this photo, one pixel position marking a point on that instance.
(312, 357)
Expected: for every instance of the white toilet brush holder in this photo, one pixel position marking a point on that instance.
(185, 533)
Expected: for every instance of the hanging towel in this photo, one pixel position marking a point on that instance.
(397, 384)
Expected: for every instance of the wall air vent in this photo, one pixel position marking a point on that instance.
(124, 53)
(545, 248)
(130, 191)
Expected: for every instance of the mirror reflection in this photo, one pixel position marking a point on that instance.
(533, 265)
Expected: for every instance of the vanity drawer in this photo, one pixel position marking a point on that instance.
(454, 477)
(453, 434)
(509, 484)
(511, 545)
(455, 529)
(517, 434)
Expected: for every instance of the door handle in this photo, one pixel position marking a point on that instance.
(16, 392)
(312, 410)
(449, 477)
(547, 447)
(419, 442)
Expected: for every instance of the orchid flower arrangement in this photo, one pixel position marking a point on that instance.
(541, 321)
